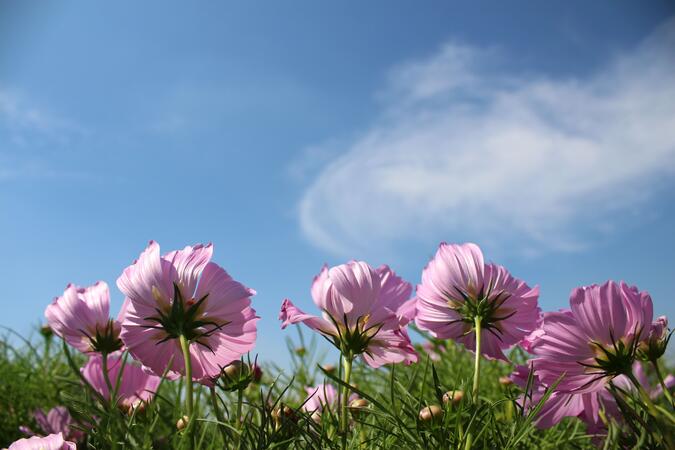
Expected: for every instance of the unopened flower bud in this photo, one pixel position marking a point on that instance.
(656, 343)
(282, 414)
(505, 381)
(235, 370)
(137, 407)
(257, 373)
(300, 351)
(182, 423)
(235, 376)
(316, 417)
(46, 331)
(432, 413)
(358, 406)
(454, 397)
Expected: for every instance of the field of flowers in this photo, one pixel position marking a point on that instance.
(175, 368)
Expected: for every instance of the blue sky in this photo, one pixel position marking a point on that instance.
(293, 135)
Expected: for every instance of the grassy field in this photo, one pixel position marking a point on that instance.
(37, 375)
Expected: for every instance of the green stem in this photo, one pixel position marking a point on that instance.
(476, 366)
(665, 389)
(344, 418)
(219, 414)
(476, 375)
(237, 423)
(185, 347)
(189, 406)
(106, 377)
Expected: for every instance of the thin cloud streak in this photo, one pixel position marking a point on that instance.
(464, 150)
(31, 138)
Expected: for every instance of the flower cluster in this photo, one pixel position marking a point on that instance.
(185, 316)
(182, 315)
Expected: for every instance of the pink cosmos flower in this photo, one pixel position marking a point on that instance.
(319, 397)
(184, 293)
(458, 286)
(586, 406)
(51, 442)
(595, 340)
(433, 350)
(322, 396)
(136, 385)
(57, 420)
(559, 405)
(81, 317)
(359, 317)
(395, 294)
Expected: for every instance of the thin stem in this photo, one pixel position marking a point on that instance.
(106, 377)
(189, 406)
(344, 419)
(476, 375)
(237, 423)
(185, 347)
(476, 367)
(665, 389)
(218, 413)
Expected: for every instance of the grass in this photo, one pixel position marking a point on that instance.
(37, 375)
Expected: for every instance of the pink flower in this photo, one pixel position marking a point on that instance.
(81, 317)
(319, 397)
(433, 350)
(322, 396)
(560, 404)
(457, 286)
(136, 385)
(184, 293)
(359, 318)
(395, 294)
(51, 442)
(586, 406)
(596, 340)
(57, 420)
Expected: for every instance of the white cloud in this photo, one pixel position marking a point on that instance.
(24, 123)
(462, 149)
(31, 136)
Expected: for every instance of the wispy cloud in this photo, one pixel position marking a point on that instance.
(31, 136)
(466, 150)
(24, 123)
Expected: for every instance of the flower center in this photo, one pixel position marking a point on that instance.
(486, 304)
(612, 360)
(354, 339)
(105, 339)
(184, 318)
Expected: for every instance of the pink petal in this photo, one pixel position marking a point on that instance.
(290, 314)
(189, 264)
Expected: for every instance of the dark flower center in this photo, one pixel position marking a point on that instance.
(486, 305)
(106, 340)
(614, 359)
(353, 340)
(184, 318)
